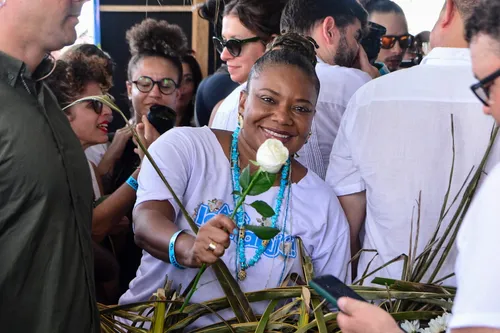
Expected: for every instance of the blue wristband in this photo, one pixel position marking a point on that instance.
(171, 251)
(132, 183)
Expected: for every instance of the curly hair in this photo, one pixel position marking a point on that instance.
(484, 20)
(74, 71)
(153, 38)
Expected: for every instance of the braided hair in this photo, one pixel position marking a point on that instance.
(153, 38)
(289, 49)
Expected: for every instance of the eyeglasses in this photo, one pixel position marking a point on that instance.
(145, 84)
(482, 88)
(388, 41)
(233, 45)
(95, 104)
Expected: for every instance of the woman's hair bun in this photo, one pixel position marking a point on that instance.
(156, 37)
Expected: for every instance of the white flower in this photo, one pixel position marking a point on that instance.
(272, 155)
(410, 326)
(437, 325)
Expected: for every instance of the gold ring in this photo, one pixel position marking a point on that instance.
(212, 246)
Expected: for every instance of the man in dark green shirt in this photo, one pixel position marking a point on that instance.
(46, 265)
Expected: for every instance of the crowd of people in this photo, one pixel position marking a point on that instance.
(85, 218)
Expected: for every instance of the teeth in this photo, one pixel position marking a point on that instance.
(281, 136)
(102, 126)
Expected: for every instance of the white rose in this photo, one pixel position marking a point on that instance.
(272, 155)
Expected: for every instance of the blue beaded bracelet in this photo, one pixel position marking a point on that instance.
(171, 251)
(132, 183)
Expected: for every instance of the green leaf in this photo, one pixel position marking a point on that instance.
(264, 233)
(262, 183)
(254, 163)
(263, 208)
(245, 178)
(265, 316)
(236, 193)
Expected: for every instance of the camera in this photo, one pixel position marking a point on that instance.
(371, 42)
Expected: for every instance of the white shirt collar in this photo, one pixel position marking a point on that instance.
(448, 56)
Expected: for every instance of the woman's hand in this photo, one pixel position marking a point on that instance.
(362, 317)
(120, 140)
(147, 133)
(211, 241)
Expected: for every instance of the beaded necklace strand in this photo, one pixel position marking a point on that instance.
(241, 263)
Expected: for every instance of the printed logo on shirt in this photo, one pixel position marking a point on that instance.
(282, 245)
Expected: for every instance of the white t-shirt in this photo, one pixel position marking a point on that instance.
(395, 141)
(338, 84)
(477, 303)
(226, 117)
(194, 163)
(95, 153)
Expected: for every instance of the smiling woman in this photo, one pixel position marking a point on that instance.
(81, 74)
(203, 167)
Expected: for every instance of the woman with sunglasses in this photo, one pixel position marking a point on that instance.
(397, 39)
(201, 165)
(77, 79)
(247, 27)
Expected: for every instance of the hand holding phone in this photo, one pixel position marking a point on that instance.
(331, 288)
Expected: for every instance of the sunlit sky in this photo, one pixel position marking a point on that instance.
(421, 15)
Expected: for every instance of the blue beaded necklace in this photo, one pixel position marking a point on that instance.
(242, 264)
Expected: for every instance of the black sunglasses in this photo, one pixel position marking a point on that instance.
(145, 84)
(92, 103)
(388, 41)
(482, 88)
(233, 45)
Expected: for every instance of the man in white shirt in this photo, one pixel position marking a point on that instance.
(476, 307)
(395, 142)
(337, 27)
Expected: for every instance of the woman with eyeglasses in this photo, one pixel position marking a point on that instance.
(80, 75)
(247, 27)
(397, 40)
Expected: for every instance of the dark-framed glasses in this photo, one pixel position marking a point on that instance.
(233, 45)
(93, 103)
(388, 41)
(145, 84)
(482, 88)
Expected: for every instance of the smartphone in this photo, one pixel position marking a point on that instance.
(162, 118)
(331, 288)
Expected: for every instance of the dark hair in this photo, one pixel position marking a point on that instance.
(152, 38)
(292, 40)
(259, 16)
(302, 15)
(383, 6)
(466, 7)
(291, 49)
(74, 71)
(484, 20)
(90, 50)
(197, 77)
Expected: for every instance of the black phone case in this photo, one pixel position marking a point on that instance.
(334, 287)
